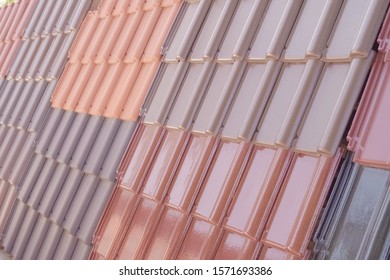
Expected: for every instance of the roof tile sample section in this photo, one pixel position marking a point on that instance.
(292, 221)
(355, 224)
(355, 29)
(110, 76)
(367, 136)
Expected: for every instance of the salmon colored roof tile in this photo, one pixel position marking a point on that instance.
(164, 243)
(258, 188)
(200, 241)
(130, 54)
(366, 136)
(292, 221)
(234, 246)
(139, 229)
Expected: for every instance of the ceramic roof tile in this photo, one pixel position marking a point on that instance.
(269, 253)
(140, 227)
(288, 102)
(366, 136)
(347, 84)
(220, 182)
(6, 205)
(109, 229)
(355, 29)
(384, 36)
(359, 192)
(274, 30)
(12, 229)
(164, 92)
(218, 95)
(123, 67)
(234, 246)
(190, 172)
(186, 29)
(200, 241)
(190, 95)
(312, 29)
(37, 237)
(81, 251)
(251, 97)
(163, 244)
(50, 243)
(139, 156)
(292, 221)
(212, 30)
(240, 32)
(65, 246)
(250, 207)
(160, 171)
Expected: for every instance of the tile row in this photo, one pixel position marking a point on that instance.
(13, 20)
(355, 223)
(114, 60)
(43, 52)
(180, 186)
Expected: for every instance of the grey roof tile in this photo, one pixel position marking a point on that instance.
(36, 239)
(95, 210)
(25, 230)
(72, 139)
(101, 145)
(117, 151)
(55, 185)
(41, 184)
(50, 242)
(66, 195)
(65, 247)
(80, 203)
(22, 161)
(31, 177)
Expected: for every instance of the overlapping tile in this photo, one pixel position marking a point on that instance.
(14, 19)
(114, 59)
(218, 84)
(355, 223)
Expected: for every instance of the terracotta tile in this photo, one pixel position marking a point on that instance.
(139, 156)
(65, 84)
(142, 35)
(190, 173)
(106, 87)
(200, 241)
(257, 191)
(84, 37)
(110, 230)
(221, 181)
(10, 19)
(125, 37)
(163, 25)
(163, 166)
(140, 228)
(167, 236)
(6, 206)
(90, 90)
(123, 88)
(236, 247)
(98, 40)
(135, 6)
(366, 135)
(105, 8)
(297, 207)
(78, 87)
(269, 253)
(121, 7)
(109, 38)
(132, 107)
